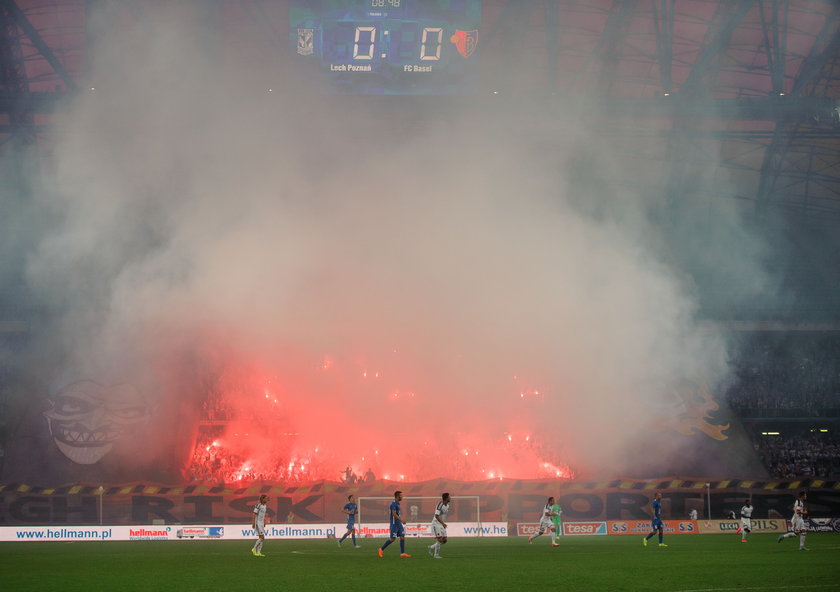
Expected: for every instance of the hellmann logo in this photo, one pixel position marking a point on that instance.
(144, 532)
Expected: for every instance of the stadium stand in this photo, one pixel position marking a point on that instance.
(787, 393)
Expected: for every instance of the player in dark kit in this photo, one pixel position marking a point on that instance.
(656, 521)
(351, 509)
(397, 526)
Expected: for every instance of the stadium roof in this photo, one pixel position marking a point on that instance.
(748, 91)
(768, 71)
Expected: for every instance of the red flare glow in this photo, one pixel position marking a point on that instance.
(329, 425)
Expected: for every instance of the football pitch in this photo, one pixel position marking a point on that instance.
(703, 563)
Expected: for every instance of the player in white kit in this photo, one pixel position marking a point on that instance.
(746, 524)
(546, 525)
(439, 526)
(797, 523)
(258, 524)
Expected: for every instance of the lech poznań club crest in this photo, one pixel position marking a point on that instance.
(305, 43)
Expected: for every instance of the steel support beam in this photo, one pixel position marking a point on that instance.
(663, 22)
(826, 47)
(612, 38)
(20, 18)
(13, 77)
(728, 17)
(774, 32)
(606, 49)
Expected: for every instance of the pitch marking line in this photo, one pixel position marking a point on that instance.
(810, 586)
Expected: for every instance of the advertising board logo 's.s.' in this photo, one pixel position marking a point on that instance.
(86, 418)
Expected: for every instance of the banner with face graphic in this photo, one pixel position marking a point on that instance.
(86, 419)
(97, 429)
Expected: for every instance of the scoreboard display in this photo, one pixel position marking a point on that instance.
(390, 46)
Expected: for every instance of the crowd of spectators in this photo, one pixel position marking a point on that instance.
(213, 462)
(790, 376)
(777, 375)
(815, 455)
(351, 478)
(216, 409)
(784, 374)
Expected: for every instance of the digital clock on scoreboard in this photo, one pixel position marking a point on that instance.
(390, 46)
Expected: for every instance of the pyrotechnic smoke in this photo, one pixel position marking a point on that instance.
(440, 299)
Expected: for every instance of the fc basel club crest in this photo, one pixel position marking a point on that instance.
(305, 45)
(465, 41)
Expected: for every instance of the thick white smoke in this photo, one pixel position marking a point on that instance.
(509, 285)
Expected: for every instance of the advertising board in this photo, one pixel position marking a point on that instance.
(568, 528)
(241, 532)
(642, 527)
(759, 525)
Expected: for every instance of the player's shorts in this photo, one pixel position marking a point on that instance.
(438, 531)
(746, 524)
(397, 530)
(797, 524)
(545, 525)
(260, 529)
(351, 525)
(656, 524)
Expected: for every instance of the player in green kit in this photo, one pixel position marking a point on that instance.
(556, 510)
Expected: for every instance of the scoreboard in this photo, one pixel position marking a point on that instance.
(390, 46)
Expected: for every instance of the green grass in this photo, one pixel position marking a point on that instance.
(703, 562)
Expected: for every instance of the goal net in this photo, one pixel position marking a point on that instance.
(418, 511)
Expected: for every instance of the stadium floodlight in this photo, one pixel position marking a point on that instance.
(100, 491)
(418, 512)
(708, 503)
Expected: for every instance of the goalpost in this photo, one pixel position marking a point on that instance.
(418, 512)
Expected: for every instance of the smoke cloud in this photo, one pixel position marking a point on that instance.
(449, 298)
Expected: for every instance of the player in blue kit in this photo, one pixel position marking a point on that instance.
(397, 526)
(351, 509)
(656, 521)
